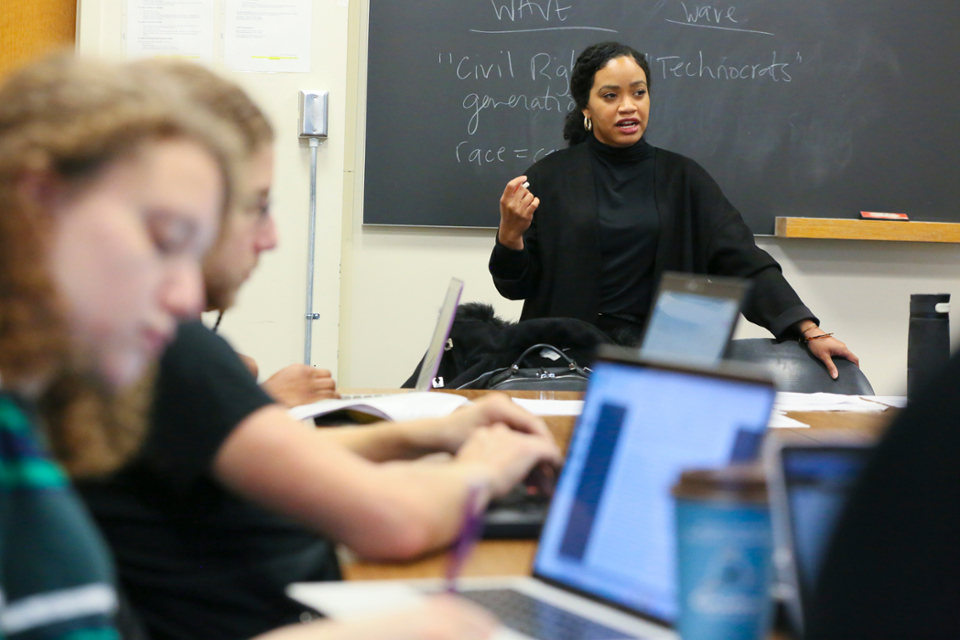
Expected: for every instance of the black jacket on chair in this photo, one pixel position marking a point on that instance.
(700, 232)
(481, 342)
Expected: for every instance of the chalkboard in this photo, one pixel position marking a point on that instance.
(818, 108)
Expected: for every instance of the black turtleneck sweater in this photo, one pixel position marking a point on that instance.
(629, 225)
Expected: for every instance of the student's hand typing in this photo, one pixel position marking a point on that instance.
(452, 431)
(300, 384)
(505, 456)
(517, 205)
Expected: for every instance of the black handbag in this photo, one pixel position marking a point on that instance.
(566, 375)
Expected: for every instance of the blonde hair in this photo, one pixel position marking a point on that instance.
(72, 118)
(230, 104)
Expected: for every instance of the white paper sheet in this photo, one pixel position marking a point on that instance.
(788, 401)
(170, 28)
(551, 407)
(399, 406)
(780, 420)
(266, 36)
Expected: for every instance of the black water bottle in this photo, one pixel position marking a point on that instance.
(928, 345)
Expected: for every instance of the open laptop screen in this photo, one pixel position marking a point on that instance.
(817, 483)
(610, 531)
(431, 360)
(693, 318)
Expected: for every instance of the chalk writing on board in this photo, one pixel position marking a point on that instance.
(793, 107)
(474, 155)
(712, 17)
(548, 11)
(680, 67)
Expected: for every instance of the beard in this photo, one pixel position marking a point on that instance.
(221, 293)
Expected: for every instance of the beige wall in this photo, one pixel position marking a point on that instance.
(384, 285)
(268, 321)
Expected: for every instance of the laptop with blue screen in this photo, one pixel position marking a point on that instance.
(605, 563)
(810, 481)
(693, 318)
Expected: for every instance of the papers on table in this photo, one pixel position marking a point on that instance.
(780, 420)
(413, 406)
(787, 401)
(399, 407)
(551, 407)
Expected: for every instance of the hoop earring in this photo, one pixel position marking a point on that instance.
(587, 123)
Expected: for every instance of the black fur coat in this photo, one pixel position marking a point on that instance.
(481, 342)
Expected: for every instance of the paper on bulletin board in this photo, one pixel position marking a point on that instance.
(170, 28)
(267, 35)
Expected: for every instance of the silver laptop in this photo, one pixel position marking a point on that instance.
(438, 341)
(810, 481)
(693, 318)
(604, 568)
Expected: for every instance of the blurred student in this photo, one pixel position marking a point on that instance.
(110, 192)
(111, 186)
(892, 569)
(231, 499)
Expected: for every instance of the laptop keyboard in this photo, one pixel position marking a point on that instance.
(539, 619)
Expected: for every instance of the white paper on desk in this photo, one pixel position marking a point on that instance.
(897, 402)
(789, 401)
(780, 420)
(398, 406)
(551, 407)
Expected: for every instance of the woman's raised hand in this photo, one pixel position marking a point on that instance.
(517, 205)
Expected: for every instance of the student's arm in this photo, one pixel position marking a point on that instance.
(300, 384)
(415, 438)
(440, 618)
(393, 510)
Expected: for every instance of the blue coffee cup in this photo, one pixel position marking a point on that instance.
(724, 554)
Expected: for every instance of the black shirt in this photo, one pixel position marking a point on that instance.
(892, 569)
(629, 225)
(195, 560)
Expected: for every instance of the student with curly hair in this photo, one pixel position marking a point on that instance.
(111, 189)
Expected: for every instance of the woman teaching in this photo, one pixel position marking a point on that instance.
(590, 229)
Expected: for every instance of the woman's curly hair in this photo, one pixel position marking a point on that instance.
(591, 60)
(71, 118)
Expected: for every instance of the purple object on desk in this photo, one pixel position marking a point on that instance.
(466, 539)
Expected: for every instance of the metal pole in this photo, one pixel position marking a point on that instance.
(311, 316)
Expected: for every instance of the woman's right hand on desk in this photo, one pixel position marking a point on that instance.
(517, 205)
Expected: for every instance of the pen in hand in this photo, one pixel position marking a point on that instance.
(469, 533)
